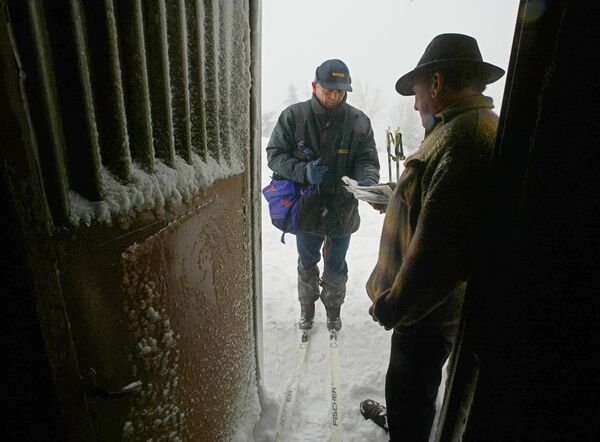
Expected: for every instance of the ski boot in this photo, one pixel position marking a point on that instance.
(334, 322)
(307, 314)
(374, 411)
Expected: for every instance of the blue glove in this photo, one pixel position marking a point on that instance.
(314, 172)
(367, 182)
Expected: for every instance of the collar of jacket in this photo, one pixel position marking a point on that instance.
(322, 111)
(445, 116)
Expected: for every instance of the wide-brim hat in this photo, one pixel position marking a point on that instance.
(450, 49)
(334, 74)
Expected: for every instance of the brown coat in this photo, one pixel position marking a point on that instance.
(432, 221)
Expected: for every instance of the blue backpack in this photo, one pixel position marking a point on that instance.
(284, 197)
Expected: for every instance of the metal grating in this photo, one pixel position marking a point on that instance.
(119, 85)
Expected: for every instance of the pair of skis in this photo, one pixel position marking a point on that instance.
(336, 409)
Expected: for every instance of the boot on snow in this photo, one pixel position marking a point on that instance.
(334, 321)
(374, 411)
(307, 314)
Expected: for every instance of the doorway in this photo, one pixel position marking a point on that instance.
(378, 45)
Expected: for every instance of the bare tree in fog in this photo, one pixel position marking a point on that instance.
(366, 99)
(292, 96)
(269, 119)
(268, 123)
(403, 116)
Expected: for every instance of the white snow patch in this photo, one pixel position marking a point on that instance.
(244, 431)
(127, 429)
(152, 314)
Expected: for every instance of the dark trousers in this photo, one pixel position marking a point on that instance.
(335, 269)
(411, 384)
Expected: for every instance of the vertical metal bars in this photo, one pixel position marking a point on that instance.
(242, 84)
(211, 24)
(195, 22)
(51, 141)
(87, 179)
(224, 85)
(159, 79)
(177, 33)
(116, 85)
(108, 88)
(130, 30)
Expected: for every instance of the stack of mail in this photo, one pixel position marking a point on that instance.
(377, 193)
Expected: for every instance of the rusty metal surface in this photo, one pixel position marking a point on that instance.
(172, 309)
(163, 294)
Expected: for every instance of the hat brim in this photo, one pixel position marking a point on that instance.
(334, 85)
(404, 85)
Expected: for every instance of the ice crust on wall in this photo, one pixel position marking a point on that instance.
(149, 191)
(161, 412)
(227, 86)
(155, 410)
(178, 386)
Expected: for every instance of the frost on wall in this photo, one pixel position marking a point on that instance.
(240, 79)
(148, 191)
(187, 304)
(224, 56)
(154, 413)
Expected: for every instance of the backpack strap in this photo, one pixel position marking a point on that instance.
(300, 114)
(303, 112)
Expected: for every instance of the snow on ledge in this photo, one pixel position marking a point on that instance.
(149, 191)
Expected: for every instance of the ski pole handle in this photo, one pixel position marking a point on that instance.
(388, 139)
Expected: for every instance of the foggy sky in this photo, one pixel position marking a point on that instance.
(379, 40)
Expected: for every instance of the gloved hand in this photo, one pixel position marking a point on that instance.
(315, 172)
(367, 182)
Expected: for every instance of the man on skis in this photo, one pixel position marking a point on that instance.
(340, 142)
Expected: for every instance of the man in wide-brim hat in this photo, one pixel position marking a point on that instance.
(450, 50)
(431, 228)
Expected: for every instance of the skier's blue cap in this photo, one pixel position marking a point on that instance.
(334, 74)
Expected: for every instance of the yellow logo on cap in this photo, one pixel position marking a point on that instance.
(338, 74)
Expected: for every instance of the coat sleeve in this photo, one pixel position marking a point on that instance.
(279, 149)
(366, 162)
(439, 254)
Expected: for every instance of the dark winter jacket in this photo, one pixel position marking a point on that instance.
(343, 139)
(432, 222)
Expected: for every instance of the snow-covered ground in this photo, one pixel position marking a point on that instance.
(363, 344)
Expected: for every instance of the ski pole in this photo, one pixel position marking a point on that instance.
(388, 139)
(398, 150)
